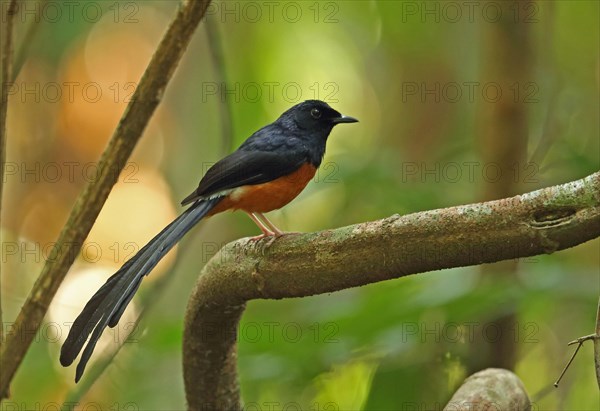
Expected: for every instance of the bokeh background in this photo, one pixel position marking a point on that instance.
(424, 78)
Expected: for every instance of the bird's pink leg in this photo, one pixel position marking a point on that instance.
(271, 226)
(265, 231)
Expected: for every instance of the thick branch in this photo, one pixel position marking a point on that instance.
(490, 389)
(540, 222)
(87, 207)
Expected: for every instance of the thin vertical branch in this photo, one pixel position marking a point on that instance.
(23, 50)
(88, 205)
(7, 52)
(215, 46)
(550, 132)
(504, 142)
(553, 125)
(597, 346)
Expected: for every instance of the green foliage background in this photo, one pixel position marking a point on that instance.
(397, 345)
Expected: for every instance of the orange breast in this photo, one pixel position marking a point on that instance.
(269, 196)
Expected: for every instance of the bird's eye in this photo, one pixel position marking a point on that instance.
(315, 112)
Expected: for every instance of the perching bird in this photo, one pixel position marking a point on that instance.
(264, 174)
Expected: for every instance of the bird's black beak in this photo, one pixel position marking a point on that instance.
(344, 119)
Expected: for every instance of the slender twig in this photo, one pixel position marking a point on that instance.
(583, 339)
(146, 98)
(550, 132)
(552, 127)
(597, 346)
(6, 67)
(579, 343)
(23, 50)
(216, 50)
(540, 222)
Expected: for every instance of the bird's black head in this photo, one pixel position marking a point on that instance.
(307, 125)
(315, 116)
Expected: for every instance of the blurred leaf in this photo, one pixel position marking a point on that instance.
(346, 385)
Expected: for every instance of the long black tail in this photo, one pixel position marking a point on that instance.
(108, 304)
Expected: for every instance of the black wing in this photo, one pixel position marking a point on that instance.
(247, 168)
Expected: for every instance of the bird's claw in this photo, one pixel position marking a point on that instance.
(260, 237)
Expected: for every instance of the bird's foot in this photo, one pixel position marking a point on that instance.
(270, 239)
(260, 237)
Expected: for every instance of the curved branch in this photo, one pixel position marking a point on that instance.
(540, 222)
(493, 388)
(89, 203)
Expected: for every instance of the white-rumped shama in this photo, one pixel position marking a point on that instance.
(264, 174)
